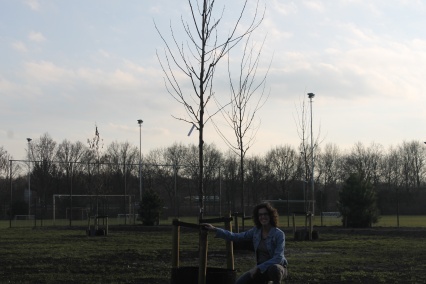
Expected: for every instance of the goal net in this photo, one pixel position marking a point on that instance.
(121, 209)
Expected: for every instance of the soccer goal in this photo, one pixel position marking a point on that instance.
(83, 206)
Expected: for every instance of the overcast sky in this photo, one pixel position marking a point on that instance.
(66, 66)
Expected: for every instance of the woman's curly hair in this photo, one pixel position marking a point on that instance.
(273, 214)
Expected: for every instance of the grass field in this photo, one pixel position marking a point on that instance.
(384, 221)
(138, 254)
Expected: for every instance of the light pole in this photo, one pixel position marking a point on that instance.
(140, 121)
(303, 157)
(311, 96)
(29, 179)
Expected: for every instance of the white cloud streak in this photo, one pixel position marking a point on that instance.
(33, 4)
(36, 37)
(366, 70)
(19, 46)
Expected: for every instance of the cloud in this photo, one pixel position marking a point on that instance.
(5, 86)
(156, 9)
(19, 46)
(10, 134)
(104, 53)
(118, 80)
(123, 127)
(283, 8)
(12, 90)
(275, 34)
(33, 4)
(47, 72)
(126, 78)
(314, 5)
(36, 37)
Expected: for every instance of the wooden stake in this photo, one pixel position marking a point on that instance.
(202, 270)
(229, 246)
(175, 245)
(237, 229)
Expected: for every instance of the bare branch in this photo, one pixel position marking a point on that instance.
(197, 58)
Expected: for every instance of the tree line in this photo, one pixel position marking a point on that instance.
(398, 174)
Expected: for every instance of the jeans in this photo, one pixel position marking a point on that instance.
(274, 273)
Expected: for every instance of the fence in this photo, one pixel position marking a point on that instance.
(70, 191)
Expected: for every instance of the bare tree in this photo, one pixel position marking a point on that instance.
(4, 163)
(213, 160)
(43, 154)
(164, 166)
(329, 169)
(391, 171)
(328, 165)
(230, 178)
(122, 160)
(302, 130)
(256, 177)
(5, 174)
(365, 161)
(69, 155)
(96, 145)
(247, 98)
(197, 58)
(282, 163)
(413, 155)
(176, 155)
(306, 149)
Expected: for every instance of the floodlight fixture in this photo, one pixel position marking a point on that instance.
(140, 121)
(29, 179)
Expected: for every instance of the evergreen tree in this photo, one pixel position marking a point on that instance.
(357, 203)
(150, 208)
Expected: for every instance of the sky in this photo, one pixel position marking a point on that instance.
(66, 66)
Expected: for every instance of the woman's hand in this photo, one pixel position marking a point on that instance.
(209, 227)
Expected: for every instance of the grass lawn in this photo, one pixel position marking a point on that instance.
(384, 221)
(143, 255)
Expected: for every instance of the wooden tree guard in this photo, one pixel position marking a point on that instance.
(229, 248)
(243, 218)
(203, 246)
(309, 216)
(95, 231)
(308, 222)
(202, 270)
(175, 248)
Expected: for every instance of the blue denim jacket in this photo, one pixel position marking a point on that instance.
(275, 243)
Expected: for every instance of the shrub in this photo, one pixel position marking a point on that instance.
(150, 208)
(357, 203)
